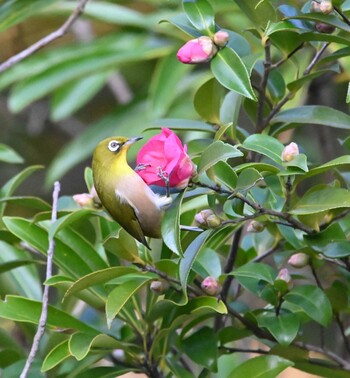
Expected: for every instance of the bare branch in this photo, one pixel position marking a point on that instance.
(60, 32)
(45, 301)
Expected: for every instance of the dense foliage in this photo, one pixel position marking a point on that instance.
(252, 274)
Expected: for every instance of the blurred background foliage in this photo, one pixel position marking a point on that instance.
(116, 72)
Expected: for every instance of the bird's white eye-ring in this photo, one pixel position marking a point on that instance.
(113, 146)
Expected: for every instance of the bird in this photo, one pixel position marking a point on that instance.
(123, 193)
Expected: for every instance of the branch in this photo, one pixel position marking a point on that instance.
(342, 15)
(45, 301)
(263, 86)
(60, 32)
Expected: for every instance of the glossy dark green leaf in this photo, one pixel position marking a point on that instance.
(265, 145)
(201, 347)
(9, 155)
(11, 185)
(217, 151)
(256, 271)
(322, 200)
(207, 101)
(106, 372)
(284, 327)
(259, 12)
(120, 295)
(98, 277)
(328, 19)
(230, 71)
(247, 179)
(314, 114)
(313, 301)
(80, 344)
(190, 256)
(201, 15)
(56, 355)
(31, 202)
(5, 267)
(171, 226)
(182, 22)
(261, 367)
(224, 174)
(22, 309)
(299, 161)
(339, 162)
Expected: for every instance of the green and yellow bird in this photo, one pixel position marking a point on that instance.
(123, 193)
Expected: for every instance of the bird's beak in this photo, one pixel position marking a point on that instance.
(133, 140)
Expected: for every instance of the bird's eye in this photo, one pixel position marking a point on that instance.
(113, 146)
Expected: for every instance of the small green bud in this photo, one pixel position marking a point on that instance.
(255, 226)
(159, 287)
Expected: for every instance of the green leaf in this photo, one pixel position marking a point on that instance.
(14, 183)
(56, 355)
(224, 174)
(256, 271)
(312, 301)
(22, 309)
(190, 256)
(15, 11)
(247, 179)
(314, 114)
(182, 124)
(284, 327)
(338, 162)
(261, 367)
(9, 155)
(265, 145)
(72, 96)
(328, 19)
(299, 161)
(120, 295)
(31, 202)
(165, 84)
(201, 347)
(35, 87)
(80, 344)
(170, 227)
(5, 267)
(217, 151)
(201, 15)
(322, 200)
(230, 71)
(207, 101)
(106, 372)
(98, 277)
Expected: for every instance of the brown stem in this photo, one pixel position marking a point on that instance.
(60, 32)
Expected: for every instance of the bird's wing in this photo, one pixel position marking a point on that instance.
(127, 210)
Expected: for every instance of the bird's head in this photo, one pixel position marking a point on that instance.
(112, 151)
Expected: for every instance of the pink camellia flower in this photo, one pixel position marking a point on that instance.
(163, 158)
(221, 38)
(211, 286)
(290, 152)
(199, 50)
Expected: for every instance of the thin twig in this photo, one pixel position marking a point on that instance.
(45, 300)
(342, 15)
(333, 356)
(280, 62)
(342, 332)
(242, 350)
(315, 59)
(60, 32)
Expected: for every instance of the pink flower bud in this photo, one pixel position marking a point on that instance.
(159, 286)
(315, 6)
(284, 275)
(290, 152)
(164, 158)
(84, 199)
(199, 50)
(255, 226)
(324, 28)
(299, 260)
(221, 38)
(211, 286)
(326, 6)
